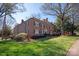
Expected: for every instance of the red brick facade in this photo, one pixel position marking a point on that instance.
(34, 27)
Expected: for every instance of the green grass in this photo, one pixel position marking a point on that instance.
(42, 47)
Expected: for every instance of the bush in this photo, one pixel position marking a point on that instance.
(12, 36)
(22, 37)
(6, 32)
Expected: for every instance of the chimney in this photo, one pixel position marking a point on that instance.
(22, 21)
(46, 20)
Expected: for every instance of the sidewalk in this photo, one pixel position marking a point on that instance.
(74, 50)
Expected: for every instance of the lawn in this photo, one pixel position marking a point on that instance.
(41, 47)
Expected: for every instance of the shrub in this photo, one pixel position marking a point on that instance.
(22, 37)
(12, 36)
(6, 32)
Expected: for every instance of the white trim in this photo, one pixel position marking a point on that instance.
(36, 31)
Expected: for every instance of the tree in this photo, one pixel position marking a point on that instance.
(6, 32)
(74, 14)
(68, 27)
(77, 28)
(60, 10)
(7, 9)
(58, 23)
(38, 16)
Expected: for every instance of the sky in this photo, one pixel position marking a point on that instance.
(32, 9)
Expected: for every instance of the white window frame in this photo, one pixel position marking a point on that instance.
(36, 24)
(36, 31)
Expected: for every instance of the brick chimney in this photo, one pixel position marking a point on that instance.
(46, 20)
(22, 21)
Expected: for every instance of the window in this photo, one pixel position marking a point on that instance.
(36, 23)
(36, 31)
(40, 31)
(40, 24)
(45, 31)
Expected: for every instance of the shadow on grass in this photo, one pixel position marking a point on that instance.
(46, 38)
(6, 41)
(76, 35)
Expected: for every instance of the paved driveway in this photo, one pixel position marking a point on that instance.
(74, 50)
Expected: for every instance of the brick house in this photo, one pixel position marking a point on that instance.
(34, 27)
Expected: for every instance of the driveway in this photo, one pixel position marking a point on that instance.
(74, 50)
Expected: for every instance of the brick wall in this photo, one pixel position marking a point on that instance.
(34, 27)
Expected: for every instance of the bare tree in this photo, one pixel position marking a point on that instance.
(74, 16)
(38, 16)
(60, 10)
(7, 9)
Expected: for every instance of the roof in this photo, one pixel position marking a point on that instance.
(33, 18)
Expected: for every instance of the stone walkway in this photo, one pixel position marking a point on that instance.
(74, 50)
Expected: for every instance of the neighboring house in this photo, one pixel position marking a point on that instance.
(34, 27)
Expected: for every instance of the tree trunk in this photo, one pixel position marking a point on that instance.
(72, 27)
(62, 31)
(4, 25)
